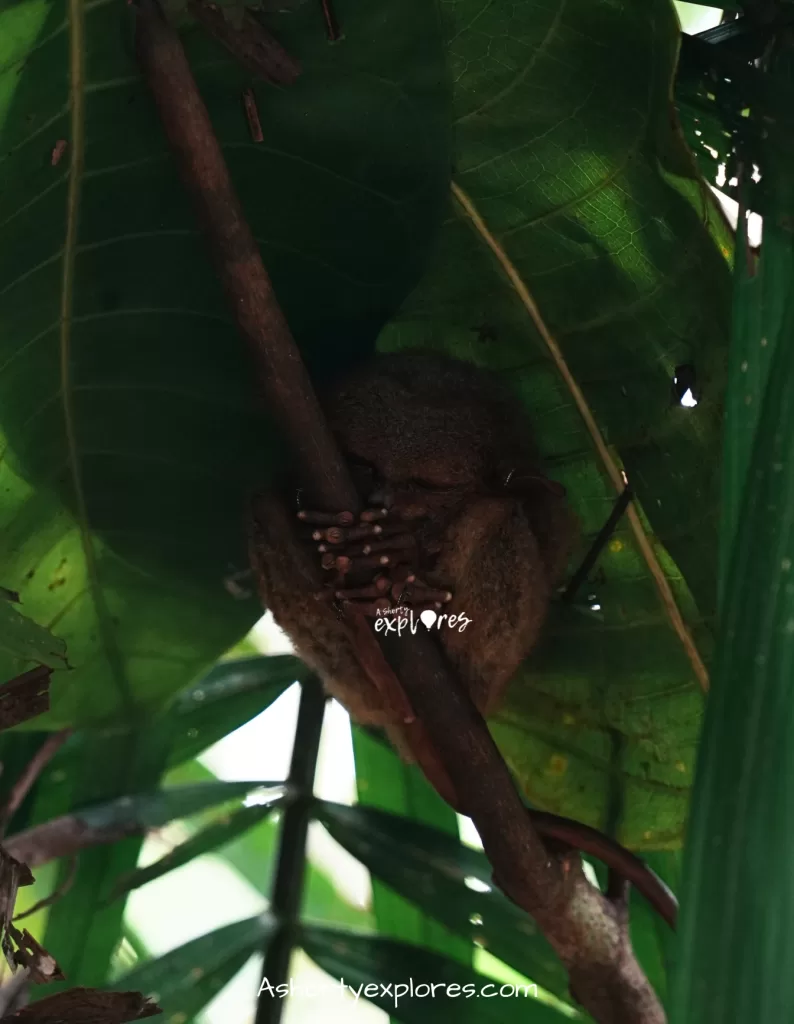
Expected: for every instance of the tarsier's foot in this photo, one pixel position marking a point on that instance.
(371, 558)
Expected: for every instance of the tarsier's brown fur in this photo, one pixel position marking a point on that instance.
(497, 534)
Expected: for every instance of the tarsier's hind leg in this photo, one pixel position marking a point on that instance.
(492, 563)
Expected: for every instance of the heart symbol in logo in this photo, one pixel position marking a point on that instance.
(428, 617)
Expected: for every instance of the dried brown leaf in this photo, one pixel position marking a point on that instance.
(87, 1006)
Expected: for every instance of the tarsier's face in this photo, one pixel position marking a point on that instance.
(420, 456)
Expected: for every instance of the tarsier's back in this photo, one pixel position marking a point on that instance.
(450, 439)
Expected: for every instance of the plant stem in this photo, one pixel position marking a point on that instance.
(285, 903)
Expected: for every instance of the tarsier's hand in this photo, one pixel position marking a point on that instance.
(371, 559)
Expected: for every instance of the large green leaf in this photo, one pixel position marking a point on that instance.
(130, 432)
(375, 967)
(448, 881)
(188, 977)
(577, 261)
(23, 640)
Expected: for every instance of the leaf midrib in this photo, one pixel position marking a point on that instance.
(76, 168)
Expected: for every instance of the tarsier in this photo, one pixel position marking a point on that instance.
(459, 517)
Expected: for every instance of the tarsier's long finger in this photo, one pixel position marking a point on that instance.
(417, 609)
(397, 508)
(402, 574)
(401, 542)
(335, 536)
(371, 515)
(378, 588)
(345, 564)
(327, 518)
(340, 535)
(371, 608)
(420, 593)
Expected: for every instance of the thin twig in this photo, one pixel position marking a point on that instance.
(250, 44)
(581, 924)
(55, 895)
(35, 767)
(598, 545)
(331, 22)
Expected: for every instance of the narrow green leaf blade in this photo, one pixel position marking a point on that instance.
(253, 856)
(188, 977)
(103, 823)
(151, 810)
(82, 933)
(387, 783)
(450, 882)
(208, 839)
(460, 994)
(229, 695)
(737, 922)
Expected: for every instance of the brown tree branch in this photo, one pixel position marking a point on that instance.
(25, 696)
(63, 837)
(34, 768)
(587, 930)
